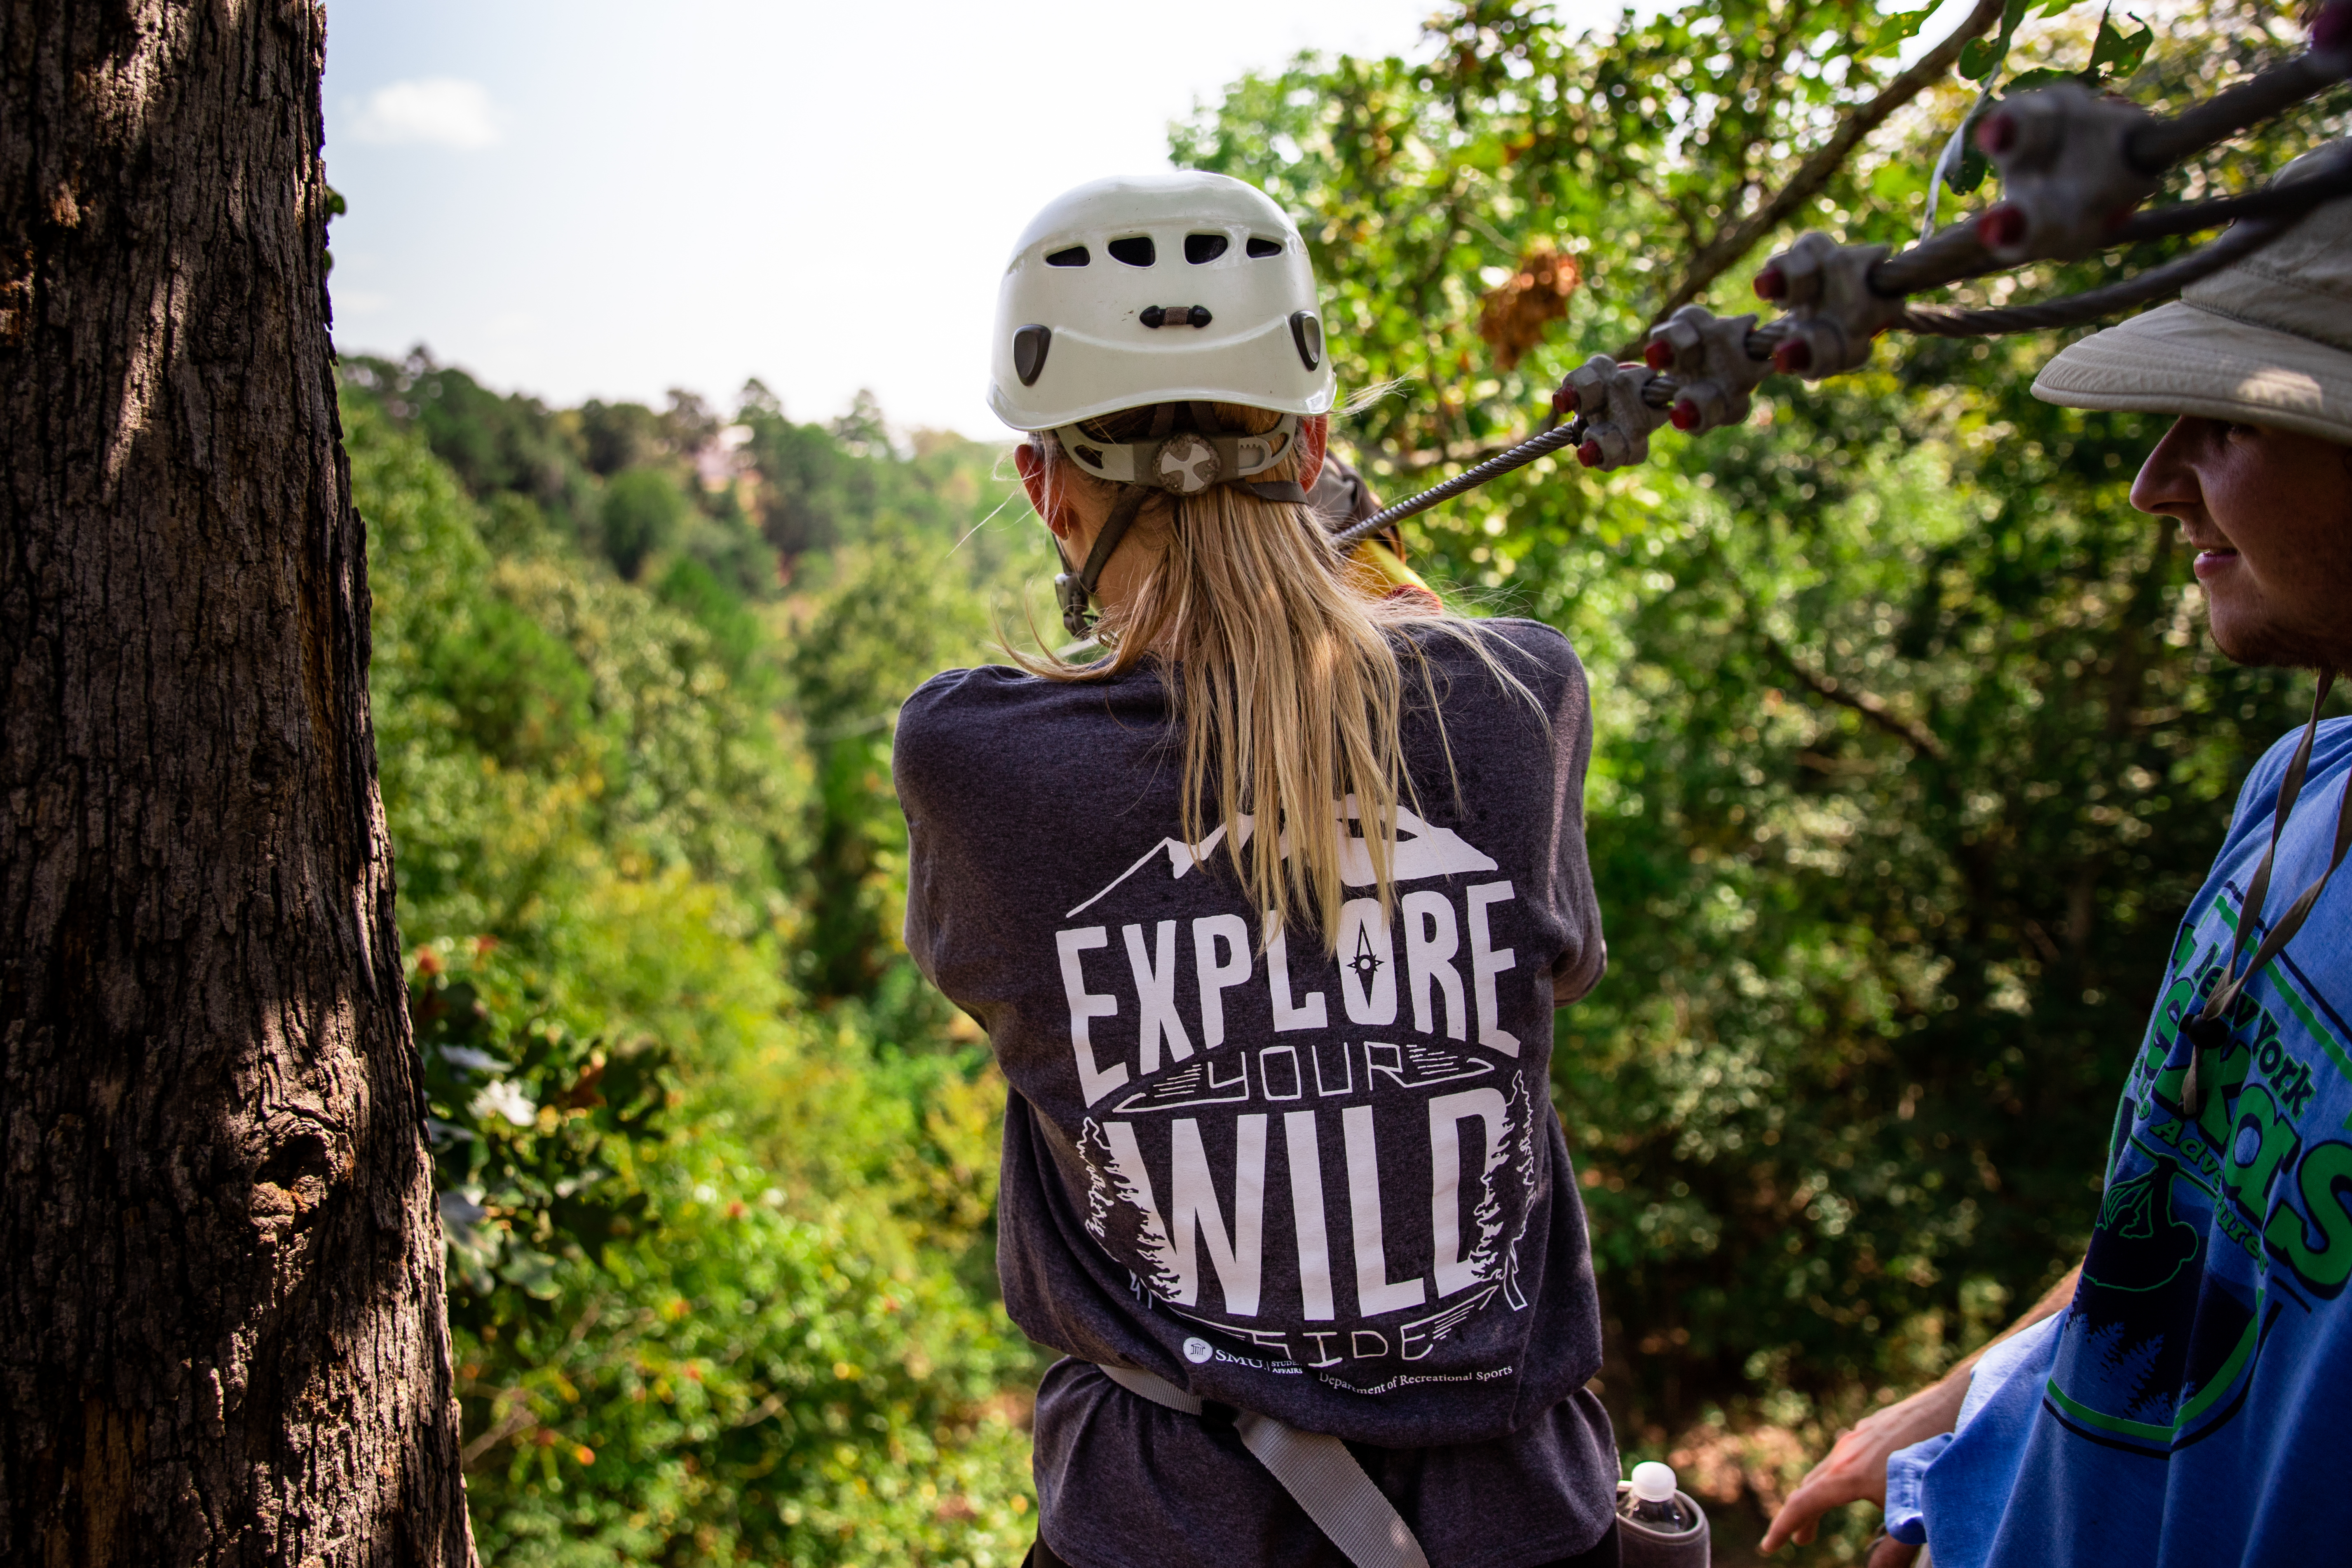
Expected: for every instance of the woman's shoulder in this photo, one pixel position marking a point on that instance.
(1529, 651)
(954, 711)
(1538, 640)
(953, 691)
(962, 723)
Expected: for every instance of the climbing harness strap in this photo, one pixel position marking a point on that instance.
(1314, 1469)
(2211, 1029)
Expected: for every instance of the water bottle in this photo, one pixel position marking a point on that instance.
(1659, 1526)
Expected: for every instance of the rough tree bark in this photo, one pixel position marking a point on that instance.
(222, 1330)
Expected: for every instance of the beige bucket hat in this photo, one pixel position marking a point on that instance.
(2266, 341)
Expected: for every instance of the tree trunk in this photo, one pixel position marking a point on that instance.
(222, 1330)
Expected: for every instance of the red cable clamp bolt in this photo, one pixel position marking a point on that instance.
(1707, 355)
(2063, 155)
(2000, 227)
(1833, 312)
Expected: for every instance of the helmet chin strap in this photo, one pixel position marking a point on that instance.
(1075, 590)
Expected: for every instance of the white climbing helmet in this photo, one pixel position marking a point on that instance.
(1150, 289)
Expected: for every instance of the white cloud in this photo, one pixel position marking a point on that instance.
(431, 111)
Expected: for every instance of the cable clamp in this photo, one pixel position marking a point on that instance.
(1617, 420)
(1708, 356)
(1833, 312)
(2067, 177)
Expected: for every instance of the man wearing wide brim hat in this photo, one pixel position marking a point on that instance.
(2183, 1396)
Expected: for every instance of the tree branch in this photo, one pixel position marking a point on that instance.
(1717, 256)
(512, 1418)
(1869, 704)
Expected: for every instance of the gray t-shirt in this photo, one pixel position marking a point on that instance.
(1331, 1189)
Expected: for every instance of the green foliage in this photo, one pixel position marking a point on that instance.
(1909, 748)
(543, 727)
(885, 620)
(537, 1133)
(736, 634)
(520, 695)
(494, 444)
(749, 1385)
(644, 510)
(718, 1260)
(662, 1357)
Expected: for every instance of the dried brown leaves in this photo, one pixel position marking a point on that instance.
(1513, 314)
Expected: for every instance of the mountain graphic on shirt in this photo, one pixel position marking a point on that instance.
(2141, 1243)
(1423, 849)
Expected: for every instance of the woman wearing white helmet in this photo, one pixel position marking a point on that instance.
(1266, 909)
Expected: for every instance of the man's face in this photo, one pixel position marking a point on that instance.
(2270, 514)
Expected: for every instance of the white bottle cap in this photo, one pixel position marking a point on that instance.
(1654, 1482)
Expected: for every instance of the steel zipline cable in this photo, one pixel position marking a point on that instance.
(1539, 445)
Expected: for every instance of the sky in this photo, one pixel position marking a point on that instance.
(595, 198)
(601, 199)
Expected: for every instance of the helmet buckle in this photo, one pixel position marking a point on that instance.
(1186, 465)
(1070, 597)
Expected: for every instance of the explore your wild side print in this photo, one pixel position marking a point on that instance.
(1342, 1183)
(1319, 1179)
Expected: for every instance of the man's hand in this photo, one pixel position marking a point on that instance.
(1856, 1469)
(1856, 1466)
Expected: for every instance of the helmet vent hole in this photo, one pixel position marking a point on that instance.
(1135, 250)
(1202, 248)
(1259, 249)
(1075, 256)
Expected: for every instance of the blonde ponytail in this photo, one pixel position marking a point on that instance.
(1285, 674)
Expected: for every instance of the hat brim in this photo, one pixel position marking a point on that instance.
(2185, 359)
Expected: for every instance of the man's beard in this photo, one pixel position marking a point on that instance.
(2270, 647)
(2323, 648)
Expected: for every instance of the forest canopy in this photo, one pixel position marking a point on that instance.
(1910, 752)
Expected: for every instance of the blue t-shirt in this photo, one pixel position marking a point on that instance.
(2194, 1405)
